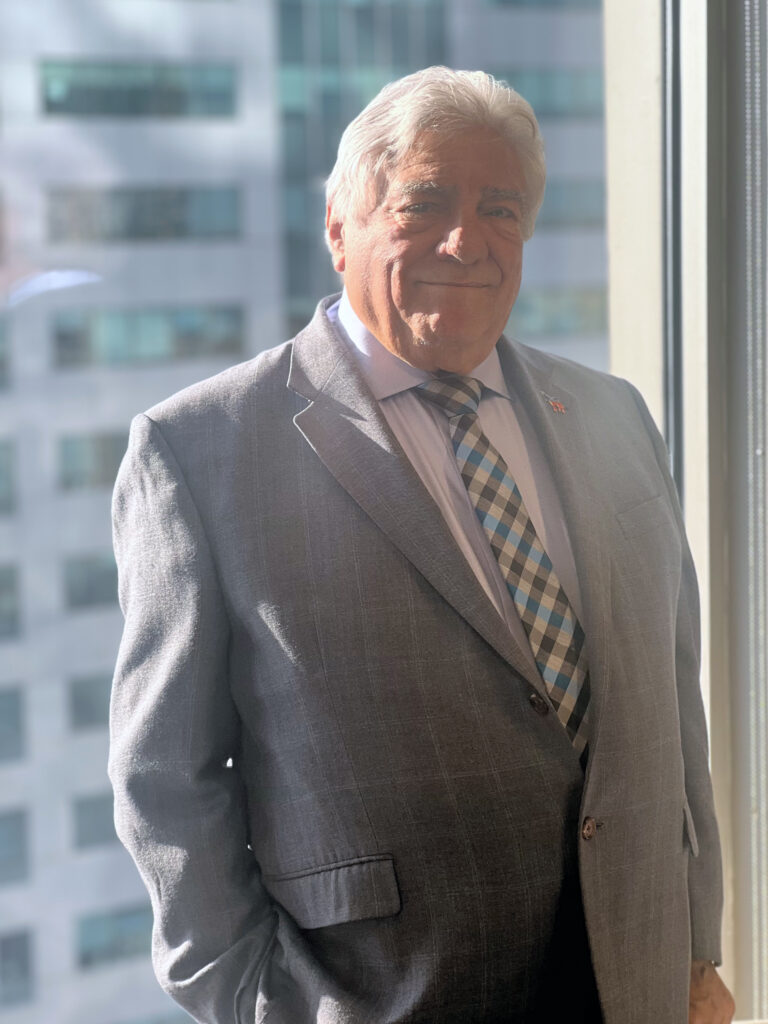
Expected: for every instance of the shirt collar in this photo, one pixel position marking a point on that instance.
(385, 373)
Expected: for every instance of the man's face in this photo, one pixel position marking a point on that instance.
(434, 270)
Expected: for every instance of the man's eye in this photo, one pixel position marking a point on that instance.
(415, 209)
(503, 212)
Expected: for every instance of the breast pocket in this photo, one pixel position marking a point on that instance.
(352, 890)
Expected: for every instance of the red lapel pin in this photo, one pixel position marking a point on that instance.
(554, 403)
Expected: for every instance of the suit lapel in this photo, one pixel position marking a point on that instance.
(573, 453)
(345, 427)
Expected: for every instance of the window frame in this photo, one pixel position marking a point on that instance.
(704, 385)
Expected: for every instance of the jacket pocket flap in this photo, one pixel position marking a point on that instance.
(690, 830)
(351, 890)
(644, 517)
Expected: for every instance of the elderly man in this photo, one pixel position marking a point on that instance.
(406, 719)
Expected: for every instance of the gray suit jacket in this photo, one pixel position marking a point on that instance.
(326, 757)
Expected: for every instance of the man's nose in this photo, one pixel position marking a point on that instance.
(464, 241)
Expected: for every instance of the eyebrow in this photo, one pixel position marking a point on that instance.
(509, 195)
(412, 188)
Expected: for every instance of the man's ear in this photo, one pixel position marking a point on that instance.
(334, 228)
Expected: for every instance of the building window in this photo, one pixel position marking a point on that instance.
(90, 581)
(11, 725)
(559, 92)
(291, 29)
(115, 935)
(89, 702)
(15, 968)
(204, 213)
(14, 865)
(91, 460)
(94, 821)
(9, 602)
(87, 88)
(7, 477)
(559, 311)
(364, 28)
(573, 204)
(330, 47)
(127, 338)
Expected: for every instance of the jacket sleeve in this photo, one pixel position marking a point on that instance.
(705, 883)
(179, 802)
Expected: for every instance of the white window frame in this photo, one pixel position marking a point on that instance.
(714, 343)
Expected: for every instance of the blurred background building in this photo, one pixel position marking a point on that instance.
(162, 207)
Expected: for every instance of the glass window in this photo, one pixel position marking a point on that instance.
(15, 968)
(9, 602)
(91, 460)
(296, 206)
(573, 204)
(14, 865)
(297, 264)
(114, 935)
(294, 145)
(291, 15)
(329, 34)
(143, 214)
(124, 338)
(330, 97)
(330, 103)
(7, 477)
(94, 820)
(213, 212)
(87, 88)
(559, 92)
(559, 311)
(432, 30)
(400, 35)
(365, 34)
(90, 580)
(11, 725)
(89, 701)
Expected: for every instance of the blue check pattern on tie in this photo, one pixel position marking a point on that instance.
(554, 632)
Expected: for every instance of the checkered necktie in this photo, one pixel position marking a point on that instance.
(554, 632)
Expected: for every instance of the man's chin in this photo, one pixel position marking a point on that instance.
(449, 355)
(432, 354)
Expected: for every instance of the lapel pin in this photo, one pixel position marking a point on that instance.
(554, 403)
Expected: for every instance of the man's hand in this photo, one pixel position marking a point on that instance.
(710, 1001)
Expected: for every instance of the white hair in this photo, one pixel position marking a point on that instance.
(440, 100)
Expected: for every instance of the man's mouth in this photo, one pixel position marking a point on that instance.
(456, 284)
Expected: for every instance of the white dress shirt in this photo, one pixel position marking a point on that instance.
(423, 432)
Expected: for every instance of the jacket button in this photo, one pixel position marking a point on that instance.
(538, 704)
(588, 828)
